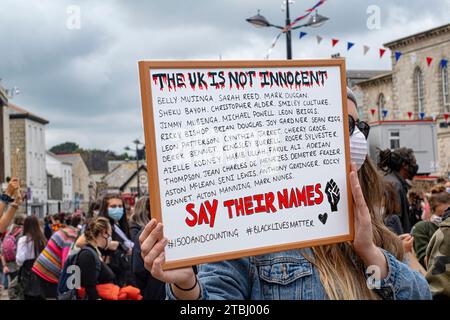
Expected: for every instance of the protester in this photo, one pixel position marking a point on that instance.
(9, 248)
(93, 269)
(13, 198)
(94, 208)
(424, 230)
(119, 260)
(141, 216)
(438, 258)
(28, 248)
(49, 263)
(416, 206)
(399, 166)
(334, 271)
(151, 288)
(391, 209)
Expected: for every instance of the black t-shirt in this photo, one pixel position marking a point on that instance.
(90, 276)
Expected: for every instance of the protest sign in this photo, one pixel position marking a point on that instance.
(246, 157)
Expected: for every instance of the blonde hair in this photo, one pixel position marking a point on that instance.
(141, 215)
(341, 271)
(95, 227)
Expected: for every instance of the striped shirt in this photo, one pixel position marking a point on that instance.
(51, 260)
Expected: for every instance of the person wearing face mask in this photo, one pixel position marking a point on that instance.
(400, 166)
(119, 260)
(335, 271)
(93, 270)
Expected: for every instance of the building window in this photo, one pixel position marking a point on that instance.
(445, 89)
(394, 138)
(419, 90)
(381, 106)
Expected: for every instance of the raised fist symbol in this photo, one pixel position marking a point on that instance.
(333, 194)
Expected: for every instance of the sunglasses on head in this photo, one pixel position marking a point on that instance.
(362, 126)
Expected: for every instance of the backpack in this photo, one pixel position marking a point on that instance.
(63, 291)
(9, 245)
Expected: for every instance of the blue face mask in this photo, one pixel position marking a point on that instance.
(115, 213)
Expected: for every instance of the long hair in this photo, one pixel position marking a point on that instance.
(123, 222)
(341, 271)
(32, 230)
(141, 215)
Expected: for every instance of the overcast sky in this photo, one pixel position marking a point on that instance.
(85, 81)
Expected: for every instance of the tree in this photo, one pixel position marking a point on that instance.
(66, 148)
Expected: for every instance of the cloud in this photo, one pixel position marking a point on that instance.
(86, 81)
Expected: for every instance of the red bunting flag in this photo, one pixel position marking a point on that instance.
(446, 117)
(372, 111)
(382, 51)
(429, 60)
(334, 42)
(409, 115)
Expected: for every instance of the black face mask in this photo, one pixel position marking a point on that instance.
(412, 170)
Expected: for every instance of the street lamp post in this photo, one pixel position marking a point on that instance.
(260, 21)
(137, 143)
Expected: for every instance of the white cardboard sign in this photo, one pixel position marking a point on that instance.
(247, 157)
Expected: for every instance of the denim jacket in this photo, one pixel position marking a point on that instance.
(289, 276)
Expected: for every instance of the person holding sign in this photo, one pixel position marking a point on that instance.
(12, 198)
(367, 268)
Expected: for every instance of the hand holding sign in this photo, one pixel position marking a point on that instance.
(333, 194)
(153, 246)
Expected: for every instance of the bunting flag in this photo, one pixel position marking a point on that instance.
(446, 116)
(398, 54)
(334, 42)
(385, 113)
(274, 42)
(302, 34)
(422, 115)
(410, 115)
(308, 12)
(372, 111)
(288, 27)
(319, 39)
(444, 63)
(349, 45)
(315, 7)
(434, 116)
(382, 51)
(366, 49)
(429, 60)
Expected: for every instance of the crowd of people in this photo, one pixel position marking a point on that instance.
(39, 256)
(401, 228)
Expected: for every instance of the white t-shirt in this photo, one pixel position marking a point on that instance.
(25, 250)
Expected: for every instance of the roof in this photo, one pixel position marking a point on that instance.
(17, 112)
(72, 158)
(121, 175)
(386, 76)
(51, 154)
(365, 74)
(69, 157)
(418, 36)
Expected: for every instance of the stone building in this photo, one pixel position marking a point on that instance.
(27, 134)
(415, 86)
